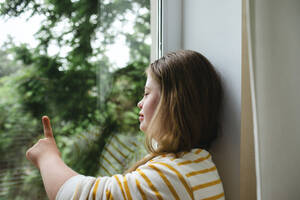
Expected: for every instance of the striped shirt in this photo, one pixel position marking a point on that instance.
(191, 176)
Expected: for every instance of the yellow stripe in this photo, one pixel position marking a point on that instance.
(85, 138)
(153, 188)
(185, 162)
(110, 163)
(95, 188)
(201, 171)
(88, 196)
(194, 161)
(127, 189)
(76, 191)
(118, 150)
(198, 151)
(134, 144)
(215, 197)
(188, 189)
(109, 195)
(124, 145)
(105, 169)
(140, 189)
(112, 155)
(120, 185)
(167, 182)
(197, 187)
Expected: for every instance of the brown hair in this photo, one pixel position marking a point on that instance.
(188, 113)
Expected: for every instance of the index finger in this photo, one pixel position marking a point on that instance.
(47, 127)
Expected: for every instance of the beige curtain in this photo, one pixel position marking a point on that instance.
(273, 38)
(247, 161)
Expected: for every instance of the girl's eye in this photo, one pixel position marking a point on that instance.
(146, 94)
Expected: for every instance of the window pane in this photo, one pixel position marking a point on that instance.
(83, 68)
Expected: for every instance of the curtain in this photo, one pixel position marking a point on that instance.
(273, 36)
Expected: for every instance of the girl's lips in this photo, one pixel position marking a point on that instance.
(141, 118)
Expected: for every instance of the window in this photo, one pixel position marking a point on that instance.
(84, 69)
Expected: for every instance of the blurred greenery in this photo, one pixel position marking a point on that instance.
(87, 99)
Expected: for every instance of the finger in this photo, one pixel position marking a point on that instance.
(47, 127)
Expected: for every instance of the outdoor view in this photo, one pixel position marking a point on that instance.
(82, 66)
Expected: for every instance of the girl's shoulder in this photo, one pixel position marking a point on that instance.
(194, 156)
(194, 169)
(185, 162)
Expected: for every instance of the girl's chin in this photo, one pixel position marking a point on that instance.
(142, 127)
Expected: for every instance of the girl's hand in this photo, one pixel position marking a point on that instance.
(45, 148)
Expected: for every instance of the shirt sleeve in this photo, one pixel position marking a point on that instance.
(149, 181)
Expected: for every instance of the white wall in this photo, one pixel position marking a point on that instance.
(213, 28)
(275, 29)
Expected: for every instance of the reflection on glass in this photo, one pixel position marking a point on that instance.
(79, 62)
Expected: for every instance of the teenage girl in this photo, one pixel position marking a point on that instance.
(180, 116)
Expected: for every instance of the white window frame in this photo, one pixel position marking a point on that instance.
(166, 27)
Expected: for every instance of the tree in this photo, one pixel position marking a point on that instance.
(66, 86)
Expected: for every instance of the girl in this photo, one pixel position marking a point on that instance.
(180, 115)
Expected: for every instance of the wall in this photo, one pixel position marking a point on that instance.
(275, 41)
(213, 28)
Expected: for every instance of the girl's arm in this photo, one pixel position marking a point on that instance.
(46, 157)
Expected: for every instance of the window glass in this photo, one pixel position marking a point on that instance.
(81, 63)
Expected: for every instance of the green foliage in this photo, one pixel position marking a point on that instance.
(87, 100)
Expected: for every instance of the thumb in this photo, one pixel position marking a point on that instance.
(47, 127)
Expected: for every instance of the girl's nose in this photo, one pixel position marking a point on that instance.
(140, 104)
